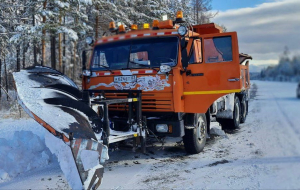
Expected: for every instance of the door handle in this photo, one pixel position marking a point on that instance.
(234, 80)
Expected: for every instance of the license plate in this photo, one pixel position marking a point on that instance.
(131, 78)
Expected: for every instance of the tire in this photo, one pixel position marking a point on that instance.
(223, 123)
(232, 124)
(194, 139)
(244, 109)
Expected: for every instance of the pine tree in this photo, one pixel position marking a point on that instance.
(201, 11)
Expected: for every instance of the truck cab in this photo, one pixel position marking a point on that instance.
(188, 75)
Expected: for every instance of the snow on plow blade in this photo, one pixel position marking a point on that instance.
(56, 103)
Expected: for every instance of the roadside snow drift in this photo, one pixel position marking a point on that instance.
(24, 152)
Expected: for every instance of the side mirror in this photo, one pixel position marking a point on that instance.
(184, 58)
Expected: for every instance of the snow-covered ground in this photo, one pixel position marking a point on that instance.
(264, 153)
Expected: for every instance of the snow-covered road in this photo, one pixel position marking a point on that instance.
(264, 153)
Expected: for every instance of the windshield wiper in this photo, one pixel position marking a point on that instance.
(139, 64)
(107, 67)
(147, 66)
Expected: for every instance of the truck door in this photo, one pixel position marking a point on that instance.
(213, 71)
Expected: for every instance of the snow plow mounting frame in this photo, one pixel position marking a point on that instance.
(133, 99)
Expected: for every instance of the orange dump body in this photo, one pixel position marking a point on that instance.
(207, 28)
(214, 70)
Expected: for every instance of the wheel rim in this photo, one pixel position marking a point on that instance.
(201, 130)
(237, 112)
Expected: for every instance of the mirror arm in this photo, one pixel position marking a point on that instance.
(83, 60)
(184, 59)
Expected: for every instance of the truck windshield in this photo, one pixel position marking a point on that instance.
(136, 53)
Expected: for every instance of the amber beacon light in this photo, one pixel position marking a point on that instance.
(134, 27)
(146, 26)
(121, 28)
(112, 26)
(155, 25)
(179, 17)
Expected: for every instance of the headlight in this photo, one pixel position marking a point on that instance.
(86, 73)
(182, 30)
(162, 128)
(89, 40)
(164, 68)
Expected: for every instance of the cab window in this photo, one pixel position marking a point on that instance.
(218, 49)
(136, 53)
(196, 56)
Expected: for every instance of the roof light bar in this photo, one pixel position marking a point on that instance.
(179, 17)
(121, 28)
(134, 27)
(112, 26)
(146, 26)
(155, 25)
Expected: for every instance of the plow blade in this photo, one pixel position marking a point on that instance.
(90, 178)
(56, 103)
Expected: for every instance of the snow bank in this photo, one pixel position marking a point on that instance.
(24, 152)
(24, 145)
(9, 126)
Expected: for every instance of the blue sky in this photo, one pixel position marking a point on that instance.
(264, 27)
(224, 5)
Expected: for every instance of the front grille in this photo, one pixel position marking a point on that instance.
(154, 102)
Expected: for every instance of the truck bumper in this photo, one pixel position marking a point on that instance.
(175, 128)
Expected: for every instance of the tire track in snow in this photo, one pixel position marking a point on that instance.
(291, 124)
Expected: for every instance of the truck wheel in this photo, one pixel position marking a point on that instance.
(194, 139)
(244, 109)
(231, 124)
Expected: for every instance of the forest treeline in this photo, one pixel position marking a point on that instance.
(287, 69)
(53, 32)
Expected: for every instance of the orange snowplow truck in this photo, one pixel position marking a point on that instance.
(189, 75)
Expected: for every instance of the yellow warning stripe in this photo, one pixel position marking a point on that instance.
(212, 92)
